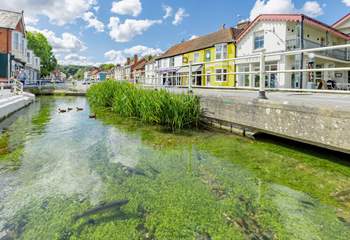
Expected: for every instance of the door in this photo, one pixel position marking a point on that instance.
(208, 78)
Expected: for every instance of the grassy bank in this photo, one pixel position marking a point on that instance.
(149, 106)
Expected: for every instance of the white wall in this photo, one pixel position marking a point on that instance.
(275, 37)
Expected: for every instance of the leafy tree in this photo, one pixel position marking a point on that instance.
(80, 74)
(107, 67)
(41, 47)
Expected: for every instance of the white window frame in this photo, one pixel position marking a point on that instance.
(196, 57)
(221, 51)
(260, 37)
(221, 75)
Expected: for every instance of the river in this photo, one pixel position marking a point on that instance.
(195, 184)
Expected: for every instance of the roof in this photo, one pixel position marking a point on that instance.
(140, 64)
(9, 19)
(292, 18)
(222, 36)
(342, 20)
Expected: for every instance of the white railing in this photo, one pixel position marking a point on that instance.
(17, 87)
(181, 80)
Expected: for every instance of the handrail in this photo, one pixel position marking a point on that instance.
(17, 86)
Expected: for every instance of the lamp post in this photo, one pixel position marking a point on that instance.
(190, 77)
(262, 93)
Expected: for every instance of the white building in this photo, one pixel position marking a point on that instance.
(119, 73)
(32, 68)
(151, 72)
(343, 24)
(167, 68)
(271, 33)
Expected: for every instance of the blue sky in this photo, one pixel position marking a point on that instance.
(98, 31)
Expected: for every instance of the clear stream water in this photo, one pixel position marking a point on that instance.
(193, 185)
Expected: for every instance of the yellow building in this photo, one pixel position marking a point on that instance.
(208, 56)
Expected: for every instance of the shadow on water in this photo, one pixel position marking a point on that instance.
(319, 152)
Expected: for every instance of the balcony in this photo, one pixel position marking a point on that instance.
(294, 44)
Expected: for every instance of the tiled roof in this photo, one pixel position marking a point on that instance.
(140, 64)
(292, 18)
(9, 19)
(222, 36)
(340, 21)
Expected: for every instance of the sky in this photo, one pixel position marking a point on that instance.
(92, 32)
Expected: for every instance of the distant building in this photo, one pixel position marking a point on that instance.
(101, 76)
(15, 62)
(151, 72)
(139, 71)
(119, 73)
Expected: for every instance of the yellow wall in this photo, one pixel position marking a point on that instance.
(231, 79)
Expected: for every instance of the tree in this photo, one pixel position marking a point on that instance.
(42, 49)
(107, 67)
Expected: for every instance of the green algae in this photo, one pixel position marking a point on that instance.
(195, 185)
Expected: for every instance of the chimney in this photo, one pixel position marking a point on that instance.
(135, 58)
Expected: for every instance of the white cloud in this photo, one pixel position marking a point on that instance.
(75, 59)
(346, 2)
(93, 22)
(311, 8)
(179, 16)
(124, 32)
(120, 56)
(67, 43)
(168, 11)
(127, 7)
(59, 12)
(193, 37)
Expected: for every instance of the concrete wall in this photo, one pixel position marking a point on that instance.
(322, 127)
(12, 104)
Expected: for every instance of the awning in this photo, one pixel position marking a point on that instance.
(195, 68)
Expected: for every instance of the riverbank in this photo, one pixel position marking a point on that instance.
(12, 103)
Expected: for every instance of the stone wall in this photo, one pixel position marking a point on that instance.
(323, 127)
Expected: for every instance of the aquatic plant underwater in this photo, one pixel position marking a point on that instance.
(175, 111)
(76, 173)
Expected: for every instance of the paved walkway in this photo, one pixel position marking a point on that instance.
(319, 100)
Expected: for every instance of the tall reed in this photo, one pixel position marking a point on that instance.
(176, 111)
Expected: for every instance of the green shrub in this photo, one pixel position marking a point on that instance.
(176, 111)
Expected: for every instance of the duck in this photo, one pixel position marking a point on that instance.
(70, 109)
(92, 116)
(80, 109)
(62, 110)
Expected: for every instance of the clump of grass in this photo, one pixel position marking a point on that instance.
(176, 111)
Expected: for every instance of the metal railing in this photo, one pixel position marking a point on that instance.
(341, 54)
(175, 79)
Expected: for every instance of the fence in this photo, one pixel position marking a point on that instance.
(263, 76)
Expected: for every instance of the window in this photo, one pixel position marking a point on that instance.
(221, 75)
(259, 40)
(221, 51)
(172, 62)
(15, 40)
(207, 55)
(196, 57)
